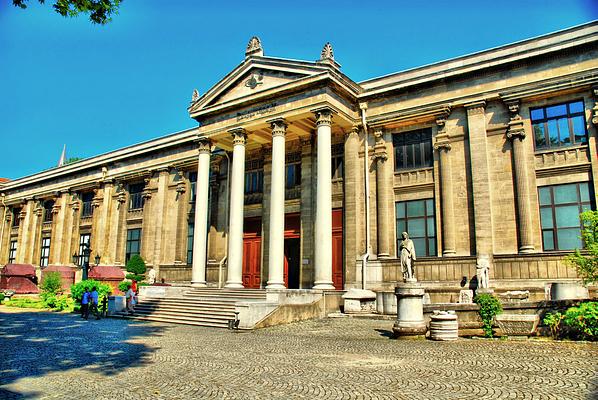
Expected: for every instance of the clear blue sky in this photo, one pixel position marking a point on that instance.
(99, 88)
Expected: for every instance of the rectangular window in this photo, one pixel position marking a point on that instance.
(254, 181)
(193, 182)
(15, 217)
(86, 209)
(337, 167)
(560, 207)
(45, 252)
(190, 244)
(48, 210)
(292, 175)
(413, 149)
(559, 125)
(136, 196)
(133, 243)
(417, 219)
(84, 241)
(12, 253)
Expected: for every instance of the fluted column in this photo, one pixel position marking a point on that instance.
(516, 133)
(237, 198)
(383, 232)
(276, 245)
(200, 227)
(443, 146)
(323, 224)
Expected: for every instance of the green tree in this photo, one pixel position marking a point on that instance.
(52, 283)
(136, 268)
(71, 160)
(587, 263)
(100, 11)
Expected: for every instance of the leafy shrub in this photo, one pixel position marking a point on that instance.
(583, 321)
(1, 297)
(587, 264)
(78, 289)
(52, 283)
(25, 303)
(489, 308)
(57, 302)
(553, 321)
(124, 286)
(136, 268)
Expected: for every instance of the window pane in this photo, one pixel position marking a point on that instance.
(569, 239)
(418, 155)
(583, 190)
(579, 129)
(417, 227)
(564, 133)
(546, 218)
(420, 246)
(576, 107)
(556, 111)
(586, 207)
(553, 133)
(409, 150)
(430, 207)
(565, 194)
(400, 155)
(539, 135)
(544, 196)
(567, 216)
(415, 208)
(431, 227)
(548, 240)
(400, 227)
(400, 210)
(431, 247)
(537, 114)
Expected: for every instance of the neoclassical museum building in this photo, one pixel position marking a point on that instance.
(298, 177)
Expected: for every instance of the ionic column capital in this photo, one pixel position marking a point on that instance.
(323, 116)
(278, 126)
(442, 143)
(239, 136)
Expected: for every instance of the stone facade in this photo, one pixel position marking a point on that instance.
(481, 182)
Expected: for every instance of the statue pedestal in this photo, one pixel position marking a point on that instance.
(484, 291)
(410, 322)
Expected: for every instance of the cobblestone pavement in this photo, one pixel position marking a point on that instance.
(60, 356)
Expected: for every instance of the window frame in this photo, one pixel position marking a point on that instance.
(569, 116)
(86, 204)
(12, 251)
(130, 241)
(16, 221)
(192, 176)
(84, 238)
(428, 215)
(44, 258)
(136, 200)
(47, 215)
(190, 236)
(407, 142)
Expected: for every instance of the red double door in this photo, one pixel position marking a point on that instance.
(252, 251)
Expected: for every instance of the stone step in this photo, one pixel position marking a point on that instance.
(184, 300)
(186, 316)
(226, 295)
(185, 311)
(170, 320)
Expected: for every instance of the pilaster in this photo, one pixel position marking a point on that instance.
(351, 190)
(443, 146)
(380, 157)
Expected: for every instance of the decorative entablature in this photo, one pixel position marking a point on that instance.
(428, 113)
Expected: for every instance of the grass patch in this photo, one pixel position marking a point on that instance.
(25, 303)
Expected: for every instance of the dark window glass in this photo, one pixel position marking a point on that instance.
(337, 167)
(413, 149)
(84, 241)
(12, 252)
(86, 200)
(48, 210)
(190, 244)
(559, 126)
(417, 218)
(133, 243)
(254, 181)
(45, 252)
(15, 216)
(193, 182)
(560, 207)
(136, 196)
(292, 175)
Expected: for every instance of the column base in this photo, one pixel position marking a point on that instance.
(527, 249)
(323, 285)
(449, 253)
(199, 284)
(275, 285)
(234, 285)
(383, 255)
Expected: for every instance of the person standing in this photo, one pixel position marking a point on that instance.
(85, 304)
(130, 296)
(95, 299)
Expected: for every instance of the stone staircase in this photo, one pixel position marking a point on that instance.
(197, 306)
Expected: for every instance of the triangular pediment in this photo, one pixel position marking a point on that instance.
(255, 75)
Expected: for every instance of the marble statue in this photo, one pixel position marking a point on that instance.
(482, 272)
(151, 276)
(407, 257)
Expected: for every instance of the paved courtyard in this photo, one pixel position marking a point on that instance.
(60, 356)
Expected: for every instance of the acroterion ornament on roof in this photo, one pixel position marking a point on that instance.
(254, 47)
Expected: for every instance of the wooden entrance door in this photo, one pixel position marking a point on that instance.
(292, 251)
(252, 253)
(337, 249)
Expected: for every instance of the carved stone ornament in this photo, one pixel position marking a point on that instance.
(55, 208)
(255, 80)
(327, 53)
(254, 47)
(195, 95)
(204, 145)
(442, 144)
(354, 131)
(595, 109)
(476, 108)
(380, 153)
(22, 214)
(516, 128)
(323, 117)
(239, 136)
(279, 127)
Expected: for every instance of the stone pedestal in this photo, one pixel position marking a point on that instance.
(444, 326)
(358, 301)
(484, 291)
(518, 325)
(568, 291)
(116, 304)
(410, 322)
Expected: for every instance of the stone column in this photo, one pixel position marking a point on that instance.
(237, 199)
(323, 222)
(380, 156)
(516, 133)
(351, 203)
(307, 221)
(277, 192)
(476, 124)
(443, 146)
(200, 227)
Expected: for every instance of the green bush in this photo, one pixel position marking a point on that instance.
(136, 268)
(57, 302)
(25, 303)
(583, 321)
(124, 286)
(489, 308)
(1, 297)
(587, 263)
(78, 289)
(51, 283)
(553, 321)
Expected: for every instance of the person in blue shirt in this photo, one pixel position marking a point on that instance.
(95, 299)
(85, 304)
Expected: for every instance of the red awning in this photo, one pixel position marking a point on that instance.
(106, 273)
(27, 270)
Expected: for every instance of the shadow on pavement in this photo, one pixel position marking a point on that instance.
(34, 344)
(386, 333)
